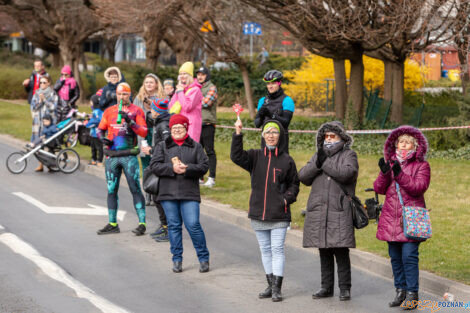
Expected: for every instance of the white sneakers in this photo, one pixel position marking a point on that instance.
(209, 183)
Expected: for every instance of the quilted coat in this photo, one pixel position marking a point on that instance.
(328, 221)
(413, 180)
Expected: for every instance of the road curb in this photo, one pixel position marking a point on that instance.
(362, 260)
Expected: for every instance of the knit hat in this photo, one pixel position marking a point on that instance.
(66, 70)
(187, 67)
(160, 105)
(179, 119)
(95, 99)
(169, 81)
(123, 87)
(271, 125)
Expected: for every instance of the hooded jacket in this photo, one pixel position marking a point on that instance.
(179, 186)
(108, 97)
(191, 103)
(414, 179)
(328, 222)
(274, 180)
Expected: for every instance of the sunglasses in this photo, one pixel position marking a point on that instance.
(331, 136)
(64, 74)
(43, 83)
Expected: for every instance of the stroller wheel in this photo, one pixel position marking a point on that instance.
(13, 165)
(68, 161)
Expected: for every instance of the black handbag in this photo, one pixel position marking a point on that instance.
(150, 181)
(359, 214)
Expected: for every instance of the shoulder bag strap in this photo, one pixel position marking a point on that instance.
(341, 186)
(399, 194)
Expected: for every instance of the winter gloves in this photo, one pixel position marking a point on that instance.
(107, 142)
(385, 167)
(321, 157)
(125, 117)
(263, 111)
(396, 168)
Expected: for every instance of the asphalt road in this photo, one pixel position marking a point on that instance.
(56, 263)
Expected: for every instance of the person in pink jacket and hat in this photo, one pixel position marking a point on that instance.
(187, 100)
(404, 163)
(68, 91)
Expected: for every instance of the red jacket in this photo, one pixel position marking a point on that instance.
(413, 179)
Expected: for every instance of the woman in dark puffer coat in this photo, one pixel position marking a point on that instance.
(403, 163)
(328, 221)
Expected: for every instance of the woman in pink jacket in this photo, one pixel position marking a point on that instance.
(404, 163)
(188, 96)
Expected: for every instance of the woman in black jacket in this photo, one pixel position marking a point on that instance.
(179, 161)
(274, 187)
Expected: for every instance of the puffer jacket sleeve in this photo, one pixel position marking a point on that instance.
(58, 84)
(345, 171)
(201, 167)
(382, 182)
(157, 163)
(308, 173)
(76, 95)
(292, 184)
(419, 183)
(242, 158)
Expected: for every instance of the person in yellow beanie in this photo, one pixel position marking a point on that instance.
(187, 100)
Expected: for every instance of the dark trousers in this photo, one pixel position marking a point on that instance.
(327, 262)
(404, 257)
(161, 212)
(207, 142)
(96, 149)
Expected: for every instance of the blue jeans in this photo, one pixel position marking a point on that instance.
(177, 212)
(271, 244)
(404, 257)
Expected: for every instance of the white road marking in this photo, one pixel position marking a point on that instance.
(95, 210)
(55, 272)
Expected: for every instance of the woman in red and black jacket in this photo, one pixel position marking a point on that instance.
(274, 187)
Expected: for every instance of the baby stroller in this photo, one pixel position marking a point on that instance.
(64, 160)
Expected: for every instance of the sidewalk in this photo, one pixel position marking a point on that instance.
(372, 263)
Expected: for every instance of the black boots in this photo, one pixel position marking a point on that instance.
(276, 289)
(323, 293)
(344, 295)
(268, 292)
(411, 300)
(399, 298)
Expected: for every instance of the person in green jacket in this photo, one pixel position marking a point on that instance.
(209, 119)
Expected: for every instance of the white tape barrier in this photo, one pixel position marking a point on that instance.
(357, 131)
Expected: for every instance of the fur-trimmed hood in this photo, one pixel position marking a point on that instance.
(106, 73)
(390, 148)
(337, 128)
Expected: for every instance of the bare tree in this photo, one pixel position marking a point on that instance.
(62, 24)
(461, 39)
(147, 17)
(223, 40)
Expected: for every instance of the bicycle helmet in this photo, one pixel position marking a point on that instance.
(204, 70)
(273, 76)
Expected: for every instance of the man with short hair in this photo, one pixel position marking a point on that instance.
(123, 125)
(209, 119)
(31, 84)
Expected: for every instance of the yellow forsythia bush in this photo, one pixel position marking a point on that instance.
(308, 85)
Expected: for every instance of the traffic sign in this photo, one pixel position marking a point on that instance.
(250, 28)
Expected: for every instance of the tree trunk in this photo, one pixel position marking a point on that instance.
(464, 73)
(56, 60)
(388, 69)
(152, 46)
(83, 60)
(248, 95)
(341, 90)
(398, 81)
(70, 54)
(356, 87)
